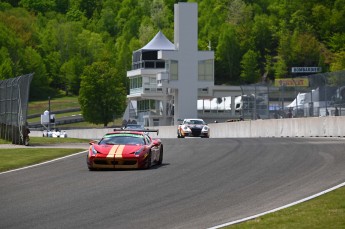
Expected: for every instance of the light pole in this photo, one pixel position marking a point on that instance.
(325, 90)
(49, 113)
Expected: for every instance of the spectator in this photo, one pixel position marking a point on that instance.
(290, 113)
(336, 112)
(124, 123)
(276, 116)
(26, 133)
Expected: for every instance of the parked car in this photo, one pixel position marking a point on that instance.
(55, 133)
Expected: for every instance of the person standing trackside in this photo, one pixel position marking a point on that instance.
(290, 113)
(26, 133)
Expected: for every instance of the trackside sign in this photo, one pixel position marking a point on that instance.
(306, 69)
(292, 82)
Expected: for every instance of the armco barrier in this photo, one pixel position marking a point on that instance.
(330, 126)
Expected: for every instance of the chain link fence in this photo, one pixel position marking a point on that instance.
(305, 96)
(14, 96)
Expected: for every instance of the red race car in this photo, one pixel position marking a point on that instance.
(125, 149)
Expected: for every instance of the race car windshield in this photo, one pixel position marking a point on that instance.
(122, 140)
(134, 127)
(195, 122)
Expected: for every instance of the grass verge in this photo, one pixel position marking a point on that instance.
(326, 211)
(21, 157)
(44, 141)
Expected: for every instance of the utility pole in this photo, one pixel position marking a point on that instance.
(49, 113)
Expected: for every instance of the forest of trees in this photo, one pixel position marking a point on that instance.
(63, 41)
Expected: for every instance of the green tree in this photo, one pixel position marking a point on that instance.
(62, 6)
(91, 46)
(238, 12)
(107, 21)
(123, 57)
(262, 35)
(146, 31)
(321, 20)
(102, 95)
(160, 14)
(13, 3)
(71, 72)
(33, 63)
(280, 68)
(53, 64)
(337, 17)
(337, 42)
(339, 61)
(5, 64)
(305, 50)
(38, 5)
(228, 56)
(249, 64)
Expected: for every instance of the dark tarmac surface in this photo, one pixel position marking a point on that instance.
(201, 183)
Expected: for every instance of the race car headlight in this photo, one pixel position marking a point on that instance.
(138, 152)
(186, 128)
(205, 128)
(93, 151)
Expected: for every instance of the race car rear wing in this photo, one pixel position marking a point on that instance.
(137, 130)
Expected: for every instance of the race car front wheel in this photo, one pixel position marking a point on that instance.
(148, 161)
(89, 166)
(160, 156)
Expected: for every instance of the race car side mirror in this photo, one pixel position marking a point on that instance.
(93, 142)
(156, 142)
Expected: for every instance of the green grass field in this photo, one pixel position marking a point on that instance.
(61, 103)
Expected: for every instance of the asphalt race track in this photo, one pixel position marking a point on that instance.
(202, 183)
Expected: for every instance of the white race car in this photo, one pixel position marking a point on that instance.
(193, 128)
(55, 133)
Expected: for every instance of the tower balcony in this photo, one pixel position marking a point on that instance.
(148, 64)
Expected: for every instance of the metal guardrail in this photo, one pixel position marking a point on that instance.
(61, 121)
(55, 112)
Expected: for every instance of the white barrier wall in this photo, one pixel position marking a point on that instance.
(330, 126)
(293, 127)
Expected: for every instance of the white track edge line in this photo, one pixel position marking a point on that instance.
(42, 163)
(279, 208)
